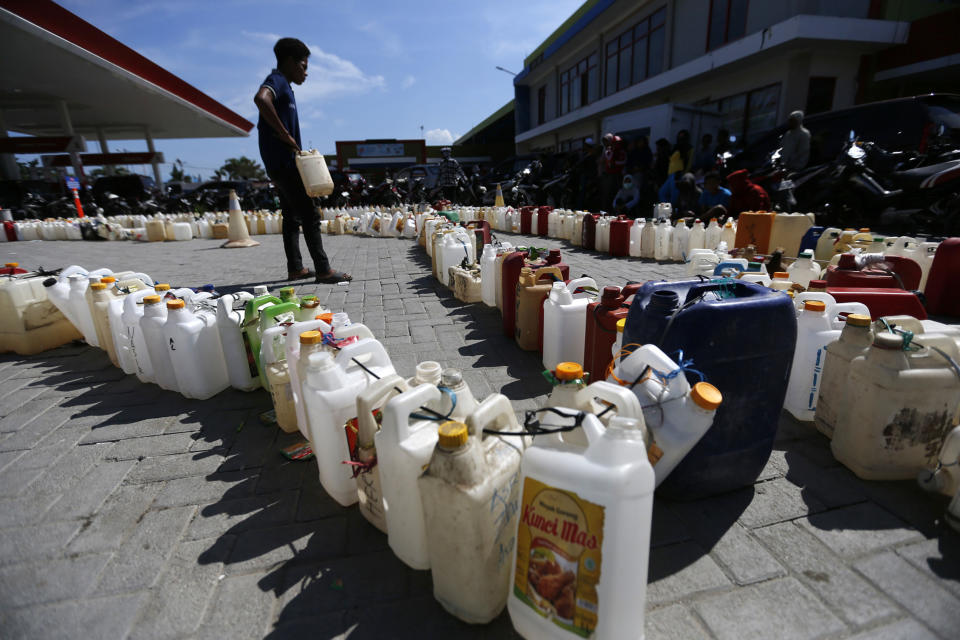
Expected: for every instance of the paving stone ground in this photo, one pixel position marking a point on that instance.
(128, 511)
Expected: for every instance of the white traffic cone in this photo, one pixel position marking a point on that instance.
(238, 235)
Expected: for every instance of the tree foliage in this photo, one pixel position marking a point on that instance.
(242, 168)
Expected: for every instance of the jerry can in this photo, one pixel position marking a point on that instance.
(788, 232)
(814, 332)
(156, 231)
(11, 269)
(470, 494)
(543, 220)
(99, 305)
(728, 234)
(131, 350)
(481, 231)
(565, 321)
(712, 235)
(576, 233)
(58, 292)
(488, 288)
(467, 284)
(601, 331)
(152, 326)
(804, 269)
(270, 316)
(879, 300)
(278, 373)
(195, 354)
(404, 445)
(697, 238)
(620, 236)
(513, 263)
(330, 389)
(602, 242)
(751, 375)
(526, 220)
(754, 227)
(583, 536)
(679, 238)
(945, 478)
(532, 289)
(363, 454)
(648, 240)
(676, 414)
(29, 321)
(900, 404)
(854, 340)
(589, 234)
(942, 283)
(664, 240)
(636, 237)
(896, 273)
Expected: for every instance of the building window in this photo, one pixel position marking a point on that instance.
(636, 54)
(541, 104)
(579, 85)
(728, 22)
(747, 115)
(820, 94)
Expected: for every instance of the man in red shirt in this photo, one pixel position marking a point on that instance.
(614, 164)
(745, 195)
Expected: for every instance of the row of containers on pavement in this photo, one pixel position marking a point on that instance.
(654, 388)
(155, 228)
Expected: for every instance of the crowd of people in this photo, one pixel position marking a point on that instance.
(631, 176)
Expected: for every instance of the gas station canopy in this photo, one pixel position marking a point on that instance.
(51, 56)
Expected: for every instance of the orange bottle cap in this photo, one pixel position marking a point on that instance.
(108, 280)
(12, 265)
(311, 337)
(815, 305)
(326, 317)
(151, 299)
(569, 371)
(858, 320)
(706, 396)
(176, 304)
(781, 274)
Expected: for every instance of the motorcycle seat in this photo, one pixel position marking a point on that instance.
(913, 178)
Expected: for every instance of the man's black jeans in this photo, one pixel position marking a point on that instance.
(299, 211)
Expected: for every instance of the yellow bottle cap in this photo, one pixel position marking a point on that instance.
(569, 371)
(161, 287)
(311, 337)
(621, 323)
(176, 304)
(12, 265)
(151, 299)
(108, 280)
(858, 320)
(98, 286)
(326, 317)
(452, 434)
(781, 274)
(815, 305)
(706, 396)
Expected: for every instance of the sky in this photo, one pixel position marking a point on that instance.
(377, 69)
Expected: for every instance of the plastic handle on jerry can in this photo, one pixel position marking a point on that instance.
(142, 277)
(846, 308)
(307, 325)
(544, 271)
(254, 306)
(592, 429)
(584, 281)
(368, 399)
(271, 313)
(130, 302)
(415, 398)
(267, 354)
(742, 289)
(494, 410)
(630, 291)
(378, 355)
(718, 270)
(357, 330)
(625, 400)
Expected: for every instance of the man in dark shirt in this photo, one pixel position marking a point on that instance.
(279, 133)
(449, 173)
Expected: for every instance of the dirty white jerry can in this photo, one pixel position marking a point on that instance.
(241, 366)
(565, 321)
(854, 340)
(151, 326)
(899, 406)
(467, 284)
(404, 445)
(29, 322)
(369, 401)
(330, 391)
(314, 173)
(470, 495)
(945, 477)
(130, 342)
(583, 536)
(195, 352)
(676, 414)
(80, 301)
(58, 291)
(278, 375)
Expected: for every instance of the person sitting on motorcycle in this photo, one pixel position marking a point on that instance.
(795, 144)
(627, 198)
(714, 199)
(745, 195)
(450, 172)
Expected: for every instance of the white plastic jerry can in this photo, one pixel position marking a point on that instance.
(404, 445)
(330, 392)
(814, 333)
(278, 374)
(945, 477)
(152, 327)
(195, 351)
(241, 366)
(804, 269)
(470, 495)
(583, 536)
(676, 414)
(369, 402)
(565, 321)
(854, 340)
(129, 341)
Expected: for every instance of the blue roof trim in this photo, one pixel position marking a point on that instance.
(574, 29)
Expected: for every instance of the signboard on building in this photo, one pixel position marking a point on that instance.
(380, 150)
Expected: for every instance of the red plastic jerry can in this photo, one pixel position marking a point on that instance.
(943, 283)
(526, 214)
(543, 219)
(620, 236)
(601, 333)
(589, 234)
(905, 274)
